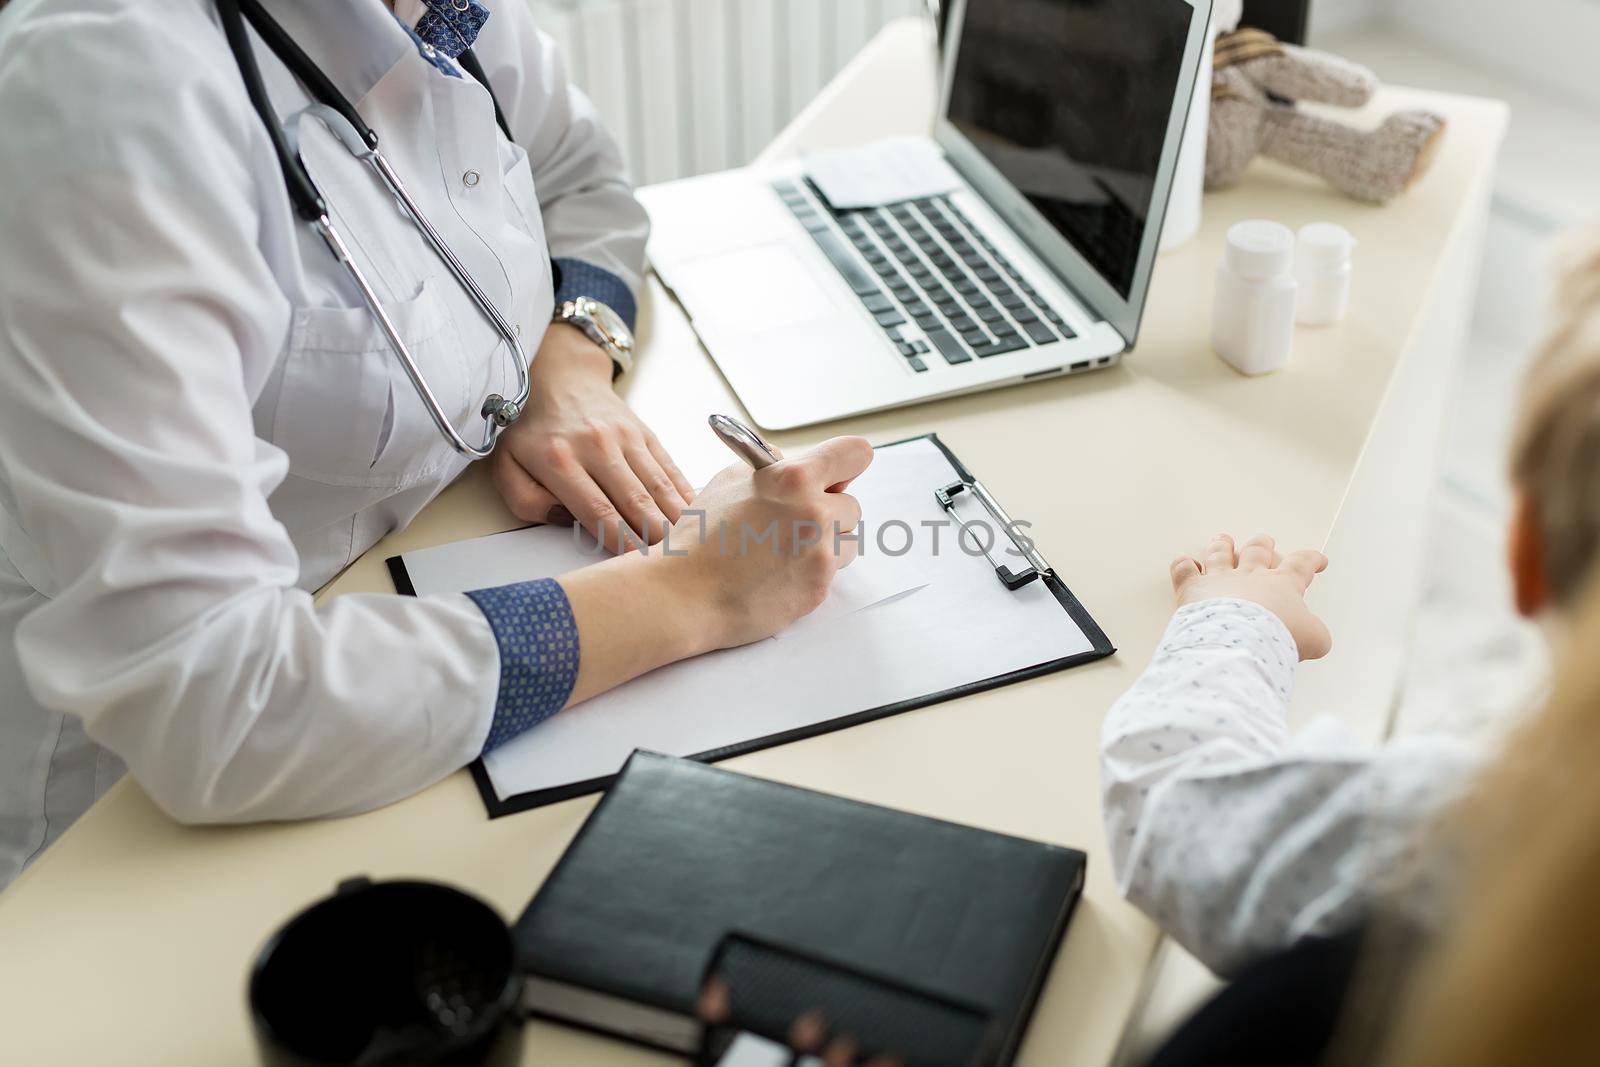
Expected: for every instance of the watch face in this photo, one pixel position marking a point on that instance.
(612, 324)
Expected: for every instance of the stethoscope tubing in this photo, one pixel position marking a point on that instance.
(339, 115)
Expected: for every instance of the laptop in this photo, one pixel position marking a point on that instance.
(1061, 120)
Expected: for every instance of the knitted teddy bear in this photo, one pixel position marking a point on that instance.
(1254, 88)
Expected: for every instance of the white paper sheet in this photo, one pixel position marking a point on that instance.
(947, 622)
(883, 172)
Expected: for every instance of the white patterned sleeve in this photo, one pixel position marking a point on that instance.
(1234, 836)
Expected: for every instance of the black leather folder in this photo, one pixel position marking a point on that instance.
(679, 856)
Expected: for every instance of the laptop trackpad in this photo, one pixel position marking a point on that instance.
(753, 290)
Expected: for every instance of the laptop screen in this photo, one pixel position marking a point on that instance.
(1070, 101)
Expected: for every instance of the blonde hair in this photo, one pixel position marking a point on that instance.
(1513, 981)
(1555, 453)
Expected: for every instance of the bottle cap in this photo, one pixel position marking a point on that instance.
(1323, 246)
(1260, 249)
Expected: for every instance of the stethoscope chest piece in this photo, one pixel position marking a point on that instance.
(503, 412)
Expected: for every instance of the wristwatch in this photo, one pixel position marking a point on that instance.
(602, 326)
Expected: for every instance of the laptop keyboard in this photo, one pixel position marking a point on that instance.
(935, 285)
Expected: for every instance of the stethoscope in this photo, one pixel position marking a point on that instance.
(340, 116)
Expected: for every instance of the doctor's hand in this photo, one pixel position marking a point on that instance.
(759, 549)
(580, 453)
(1258, 573)
(753, 553)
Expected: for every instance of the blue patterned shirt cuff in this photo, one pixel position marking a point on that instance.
(538, 639)
(585, 279)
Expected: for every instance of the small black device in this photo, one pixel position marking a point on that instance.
(1287, 20)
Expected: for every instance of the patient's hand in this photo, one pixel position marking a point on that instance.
(1256, 572)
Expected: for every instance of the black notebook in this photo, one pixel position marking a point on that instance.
(679, 856)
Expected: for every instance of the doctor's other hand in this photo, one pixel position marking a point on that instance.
(1257, 572)
(759, 548)
(580, 453)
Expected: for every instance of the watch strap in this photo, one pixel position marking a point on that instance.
(571, 312)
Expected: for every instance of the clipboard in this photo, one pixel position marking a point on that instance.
(960, 489)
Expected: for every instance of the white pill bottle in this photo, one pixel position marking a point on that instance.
(1252, 319)
(1322, 267)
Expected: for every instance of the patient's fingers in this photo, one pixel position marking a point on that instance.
(714, 1005)
(1185, 569)
(841, 1052)
(1220, 554)
(1257, 552)
(806, 1033)
(1304, 565)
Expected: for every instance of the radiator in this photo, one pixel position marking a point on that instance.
(690, 86)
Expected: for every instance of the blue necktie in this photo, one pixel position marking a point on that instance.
(452, 25)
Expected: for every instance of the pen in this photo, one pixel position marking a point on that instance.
(745, 442)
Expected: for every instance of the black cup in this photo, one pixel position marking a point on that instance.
(389, 974)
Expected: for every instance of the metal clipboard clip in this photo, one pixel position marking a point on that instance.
(1037, 567)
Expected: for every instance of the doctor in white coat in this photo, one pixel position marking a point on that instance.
(201, 421)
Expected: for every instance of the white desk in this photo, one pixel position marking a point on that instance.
(128, 941)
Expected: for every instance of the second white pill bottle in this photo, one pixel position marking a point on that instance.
(1252, 320)
(1322, 268)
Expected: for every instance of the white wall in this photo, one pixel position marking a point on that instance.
(689, 86)
(1551, 43)
(1332, 15)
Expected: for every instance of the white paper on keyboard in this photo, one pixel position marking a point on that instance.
(951, 624)
(883, 172)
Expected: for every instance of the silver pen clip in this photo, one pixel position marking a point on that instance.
(745, 442)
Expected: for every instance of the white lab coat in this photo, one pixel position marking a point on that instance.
(200, 424)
